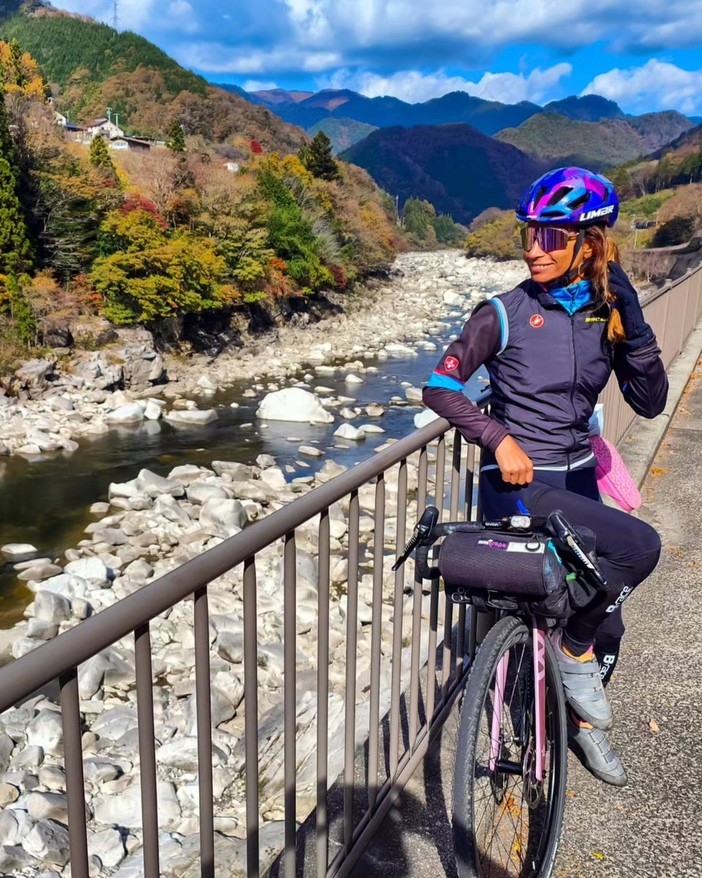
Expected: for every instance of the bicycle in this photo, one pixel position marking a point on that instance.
(511, 756)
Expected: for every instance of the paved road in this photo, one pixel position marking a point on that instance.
(653, 827)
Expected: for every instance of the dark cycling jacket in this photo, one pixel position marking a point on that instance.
(547, 369)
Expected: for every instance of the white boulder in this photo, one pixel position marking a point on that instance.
(293, 404)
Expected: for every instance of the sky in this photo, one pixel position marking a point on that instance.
(644, 54)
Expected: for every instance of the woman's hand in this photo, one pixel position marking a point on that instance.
(638, 332)
(516, 467)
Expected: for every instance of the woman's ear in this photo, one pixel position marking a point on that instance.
(586, 250)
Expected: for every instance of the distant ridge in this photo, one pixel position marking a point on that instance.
(457, 168)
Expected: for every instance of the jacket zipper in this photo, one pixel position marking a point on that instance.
(572, 384)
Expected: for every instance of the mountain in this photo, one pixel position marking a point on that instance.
(660, 129)
(343, 133)
(383, 112)
(90, 67)
(589, 108)
(596, 145)
(457, 168)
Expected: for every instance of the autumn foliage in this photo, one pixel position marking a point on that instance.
(140, 237)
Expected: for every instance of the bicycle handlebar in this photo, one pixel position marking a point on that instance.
(428, 530)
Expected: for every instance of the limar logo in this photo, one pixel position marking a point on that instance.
(536, 320)
(450, 363)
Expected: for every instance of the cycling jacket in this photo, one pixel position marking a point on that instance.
(547, 369)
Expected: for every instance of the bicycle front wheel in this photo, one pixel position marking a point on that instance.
(506, 824)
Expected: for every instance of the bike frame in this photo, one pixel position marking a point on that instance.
(538, 630)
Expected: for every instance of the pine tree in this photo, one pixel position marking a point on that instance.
(15, 249)
(175, 138)
(100, 157)
(17, 72)
(318, 158)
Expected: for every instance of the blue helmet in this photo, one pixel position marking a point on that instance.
(574, 196)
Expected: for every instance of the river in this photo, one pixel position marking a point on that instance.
(47, 502)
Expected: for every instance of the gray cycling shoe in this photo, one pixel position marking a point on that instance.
(583, 687)
(596, 754)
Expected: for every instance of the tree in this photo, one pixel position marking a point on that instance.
(152, 273)
(418, 220)
(15, 249)
(318, 158)
(100, 157)
(175, 139)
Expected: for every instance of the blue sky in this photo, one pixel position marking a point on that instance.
(644, 54)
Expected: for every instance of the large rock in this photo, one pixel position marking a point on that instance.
(15, 551)
(48, 841)
(192, 417)
(125, 809)
(47, 806)
(133, 413)
(108, 846)
(51, 607)
(46, 731)
(223, 518)
(293, 404)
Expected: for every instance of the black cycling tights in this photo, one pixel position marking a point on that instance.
(627, 547)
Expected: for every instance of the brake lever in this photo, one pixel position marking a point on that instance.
(420, 534)
(563, 531)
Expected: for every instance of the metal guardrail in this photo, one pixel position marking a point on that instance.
(427, 657)
(673, 312)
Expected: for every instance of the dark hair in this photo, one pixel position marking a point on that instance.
(595, 269)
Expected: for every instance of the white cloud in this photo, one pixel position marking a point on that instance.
(258, 85)
(415, 87)
(133, 15)
(218, 58)
(657, 85)
(449, 32)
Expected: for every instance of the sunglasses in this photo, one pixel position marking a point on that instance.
(549, 238)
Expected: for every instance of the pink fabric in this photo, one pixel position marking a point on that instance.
(613, 478)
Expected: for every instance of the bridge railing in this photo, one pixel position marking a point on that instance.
(382, 683)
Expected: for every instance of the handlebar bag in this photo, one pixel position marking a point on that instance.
(526, 567)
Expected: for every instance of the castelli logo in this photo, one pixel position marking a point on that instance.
(450, 363)
(537, 321)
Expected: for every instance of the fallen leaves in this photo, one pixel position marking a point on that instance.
(653, 726)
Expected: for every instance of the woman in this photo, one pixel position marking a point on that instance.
(549, 346)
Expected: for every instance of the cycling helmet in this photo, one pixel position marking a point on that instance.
(569, 195)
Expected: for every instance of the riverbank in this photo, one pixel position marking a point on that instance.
(60, 401)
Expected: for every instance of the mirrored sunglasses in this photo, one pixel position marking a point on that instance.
(549, 238)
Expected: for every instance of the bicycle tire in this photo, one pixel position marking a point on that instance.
(525, 838)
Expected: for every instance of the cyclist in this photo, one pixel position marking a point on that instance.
(549, 346)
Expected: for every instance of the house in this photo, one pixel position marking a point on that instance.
(130, 143)
(105, 128)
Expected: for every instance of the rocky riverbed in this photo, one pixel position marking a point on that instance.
(151, 524)
(50, 403)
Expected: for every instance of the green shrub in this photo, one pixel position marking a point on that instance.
(498, 239)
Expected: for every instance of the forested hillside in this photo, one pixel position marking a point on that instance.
(597, 145)
(167, 232)
(459, 170)
(90, 67)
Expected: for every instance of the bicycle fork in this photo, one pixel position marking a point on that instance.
(539, 646)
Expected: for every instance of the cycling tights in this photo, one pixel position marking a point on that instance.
(627, 547)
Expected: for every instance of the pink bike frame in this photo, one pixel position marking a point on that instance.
(538, 639)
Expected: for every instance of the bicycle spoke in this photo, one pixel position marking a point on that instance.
(510, 813)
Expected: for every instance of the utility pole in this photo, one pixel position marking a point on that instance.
(109, 114)
(115, 16)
